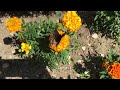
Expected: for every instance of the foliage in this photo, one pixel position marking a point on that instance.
(35, 37)
(108, 23)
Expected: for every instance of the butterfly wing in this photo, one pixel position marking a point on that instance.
(56, 37)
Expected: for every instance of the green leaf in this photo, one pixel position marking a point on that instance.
(103, 72)
(102, 76)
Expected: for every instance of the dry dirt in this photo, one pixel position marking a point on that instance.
(12, 67)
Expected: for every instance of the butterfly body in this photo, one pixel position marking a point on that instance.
(56, 37)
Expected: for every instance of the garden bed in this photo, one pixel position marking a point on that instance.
(13, 66)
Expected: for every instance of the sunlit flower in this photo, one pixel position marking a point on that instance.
(25, 47)
(114, 70)
(62, 45)
(13, 24)
(71, 21)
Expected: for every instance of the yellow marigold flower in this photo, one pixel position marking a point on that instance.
(114, 70)
(13, 24)
(64, 42)
(71, 21)
(25, 47)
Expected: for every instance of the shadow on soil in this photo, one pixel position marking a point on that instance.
(93, 64)
(87, 17)
(25, 13)
(26, 69)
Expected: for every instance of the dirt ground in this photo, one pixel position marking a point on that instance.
(12, 67)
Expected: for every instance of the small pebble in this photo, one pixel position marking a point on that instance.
(83, 48)
(102, 55)
(79, 61)
(48, 69)
(5, 65)
(89, 44)
(95, 36)
(12, 34)
(86, 72)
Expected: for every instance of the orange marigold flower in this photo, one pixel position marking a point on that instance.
(72, 21)
(64, 42)
(13, 24)
(114, 70)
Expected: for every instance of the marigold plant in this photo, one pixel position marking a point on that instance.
(25, 48)
(64, 42)
(13, 24)
(71, 21)
(114, 70)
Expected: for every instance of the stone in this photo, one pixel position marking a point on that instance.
(95, 36)
(102, 55)
(12, 34)
(89, 44)
(86, 72)
(83, 48)
(79, 61)
(48, 69)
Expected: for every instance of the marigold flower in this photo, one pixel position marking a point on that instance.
(64, 42)
(13, 24)
(71, 21)
(114, 70)
(25, 47)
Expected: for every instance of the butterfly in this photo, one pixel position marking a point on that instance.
(56, 37)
